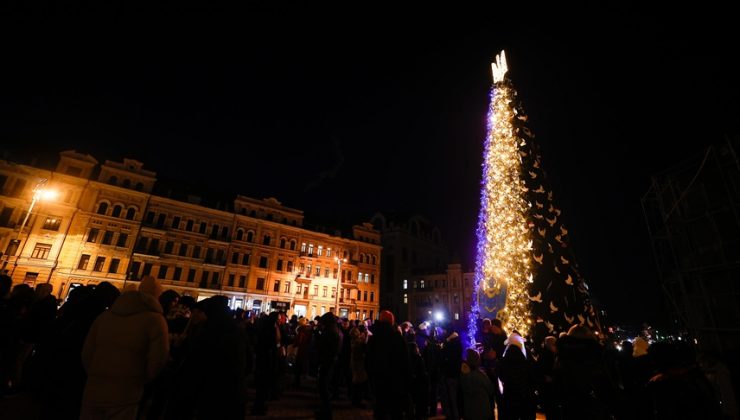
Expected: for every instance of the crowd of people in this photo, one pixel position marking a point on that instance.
(153, 354)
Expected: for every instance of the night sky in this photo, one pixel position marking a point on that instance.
(343, 112)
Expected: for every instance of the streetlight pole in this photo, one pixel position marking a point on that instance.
(38, 194)
(339, 261)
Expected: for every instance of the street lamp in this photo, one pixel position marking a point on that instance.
(339, 261)
(39, 193)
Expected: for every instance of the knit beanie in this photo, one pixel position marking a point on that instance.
(387, 316)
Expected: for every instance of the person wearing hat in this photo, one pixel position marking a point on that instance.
(388, 368)
(329, 345)
(517, 376)
(126, 347)
(477, 389)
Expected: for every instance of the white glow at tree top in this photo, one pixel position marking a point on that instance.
(499, 67)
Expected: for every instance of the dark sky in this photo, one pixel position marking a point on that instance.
(342, 112)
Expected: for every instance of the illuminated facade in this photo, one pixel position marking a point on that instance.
(443, 296)
(105, 224)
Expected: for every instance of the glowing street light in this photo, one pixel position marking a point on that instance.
(39, 193)
(339, 261)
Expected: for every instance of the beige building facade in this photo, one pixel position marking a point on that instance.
(105, 224)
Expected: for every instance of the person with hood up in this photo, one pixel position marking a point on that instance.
(517, 377)
(478, 395)
(126, 348)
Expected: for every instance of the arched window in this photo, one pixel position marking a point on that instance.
(239, 234)
(116, 211)
(266, 240)
(102, 208)
(250, 236)
(130, 213)
(282, 243)
(373, 260)
(113, 180)
(126, 183)
(292, 244)
(139, 186)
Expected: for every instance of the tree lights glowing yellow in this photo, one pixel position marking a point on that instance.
(504, 243)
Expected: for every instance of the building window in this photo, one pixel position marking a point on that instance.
(242, 281)
(102, 208)
(117, 209)
(310, 250)
(372, 296)
(100, 261)
(84, 259)
(149, 218)
(147, 269)
(328, 252)
(263, 262)
(359, 277)
(134, 272)
(41, 251)
(196, 251)
(191, 275)
(176, 222)
(239, 234)
(189, 225)
(107, 238)
(235, 258)
(225, 232)
(113, 267)
(455, 298)
(316, 290)
(282, 243)
(298, 288)
(405, 298)
(93, 235)
(320, 251)
(364, 298)
(203, 278)
(318, 271)
(162, 272)
(232, 277)
(260, 283)
(421, 284)
(303, 247)
(250, 236)
(287, 287)
(279, 266)
(372, 278)
(122, 239)
(177, 274)
(326, 272)
(266, 240)
(183, 251)
(292, 245)
(168, 247)
(52, 223)
(130, 213)
(289, 268)
(245, 259)
(457, 316)
(276, 286)
(325, 290)
(202, 228)
(359, 295)
(160, 220)
(367, 278)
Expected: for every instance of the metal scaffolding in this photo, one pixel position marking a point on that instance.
(693, 216)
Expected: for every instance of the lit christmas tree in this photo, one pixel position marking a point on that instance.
(526, 274)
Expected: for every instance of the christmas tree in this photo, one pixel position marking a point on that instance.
(526, 273)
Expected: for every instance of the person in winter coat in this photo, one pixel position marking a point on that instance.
(357, 363)
(329, 347)
(388, 367)
(517, 376)
(451, 361)
(419, 383)
(126, 348)
(477, 389)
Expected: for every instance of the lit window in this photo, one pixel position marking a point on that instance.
(457, 316)
(405, 284)
(41, 251)
(303, 247)
(320, 251)
(310, 249)
(328, 252)
(287, 287)
(421, 284)
(405, 298)
(52, 223)
(367, 278)
(359, 276)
